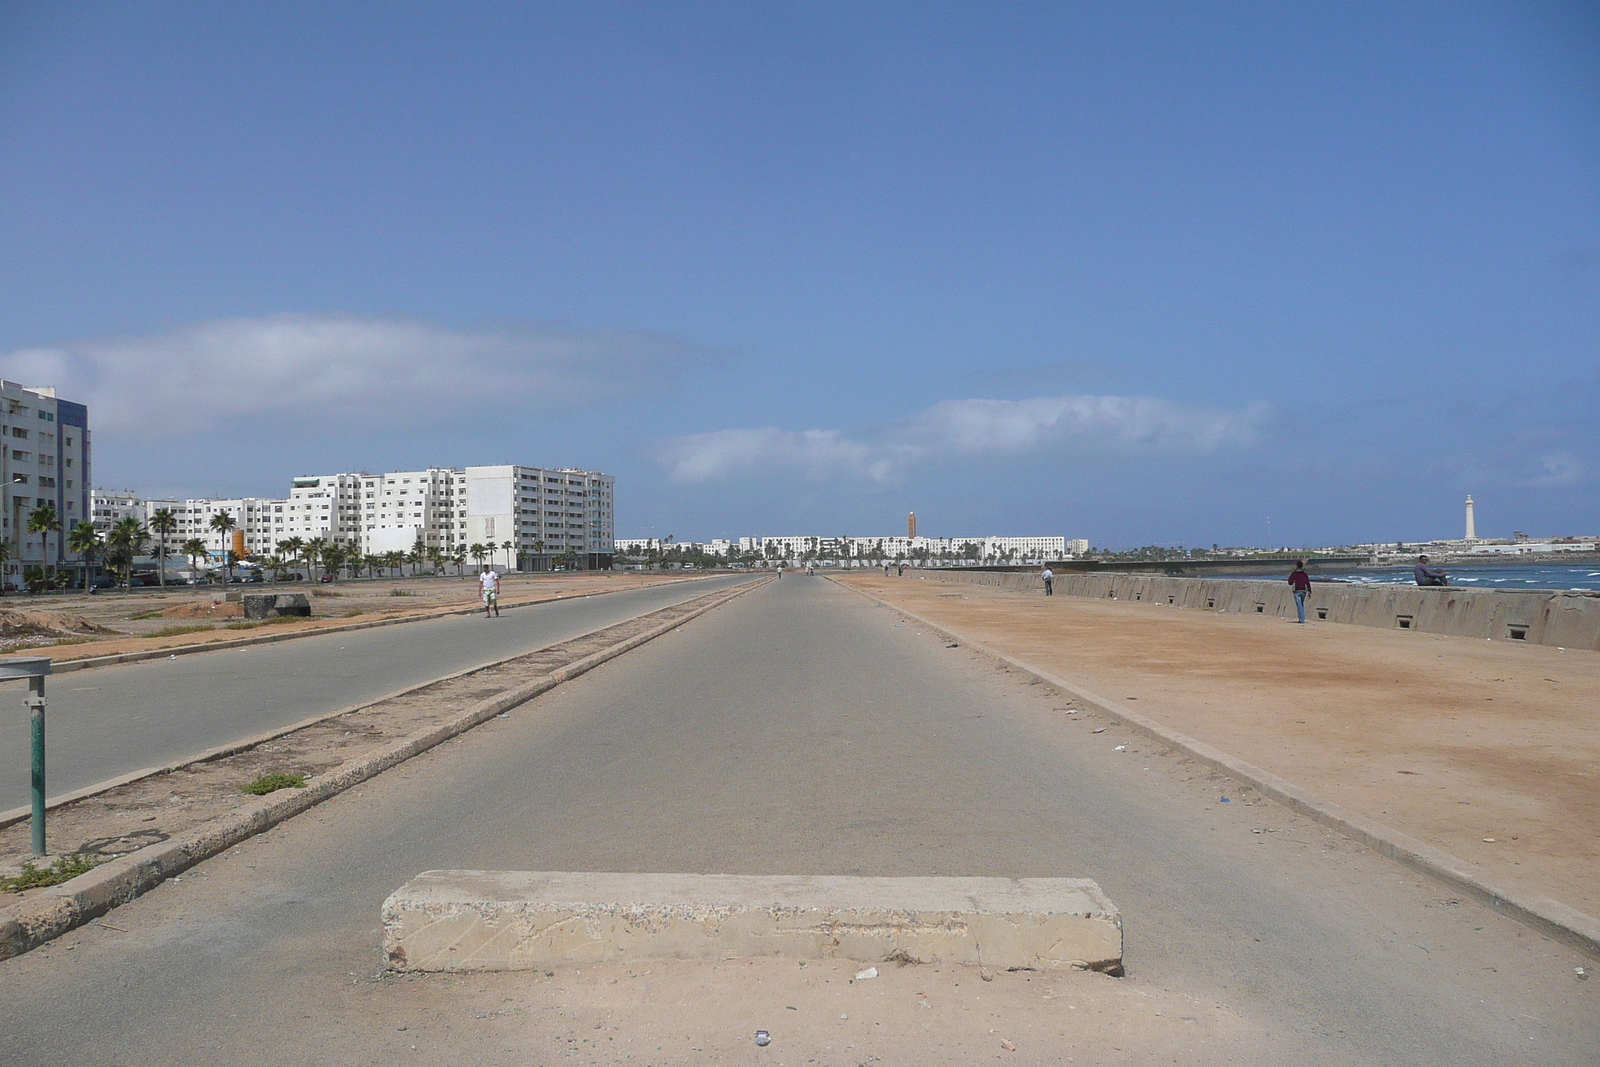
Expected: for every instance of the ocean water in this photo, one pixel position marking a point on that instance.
(1511, 576)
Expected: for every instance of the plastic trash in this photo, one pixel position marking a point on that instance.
(870, 972)
(1120, 748)
(763, 1038)
(1225, 800)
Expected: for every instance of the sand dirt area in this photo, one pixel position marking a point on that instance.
(78, 626)
(1489, 750)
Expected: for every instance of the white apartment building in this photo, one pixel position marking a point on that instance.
(1013, 549)
(109, 507)
(546, 514)
(1078, 546)
(44, 459)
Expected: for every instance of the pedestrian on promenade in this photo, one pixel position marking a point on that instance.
(1049, 577)
(489, 586)
(1427, 575)
(1300, 581)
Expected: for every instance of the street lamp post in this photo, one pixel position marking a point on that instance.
(33, 668)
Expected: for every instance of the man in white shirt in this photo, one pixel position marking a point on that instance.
(1049, 577)
(489, 585)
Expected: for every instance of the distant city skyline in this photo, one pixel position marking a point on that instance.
(1147, 275)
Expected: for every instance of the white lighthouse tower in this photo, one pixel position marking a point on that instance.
(1472, 526)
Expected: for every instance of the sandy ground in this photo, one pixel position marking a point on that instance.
(78, 626)
(1488, 750)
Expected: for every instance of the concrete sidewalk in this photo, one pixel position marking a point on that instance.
(1482, 750)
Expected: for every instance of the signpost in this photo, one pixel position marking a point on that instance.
(33, 668)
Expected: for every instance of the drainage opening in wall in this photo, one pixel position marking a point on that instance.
(1138, 596)
(1403, 621)
(1261, 609)
(1517, 633)
(1211, 601)
(1172, 600)
(1322, 613)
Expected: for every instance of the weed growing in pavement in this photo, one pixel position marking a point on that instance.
(147, 615)
(353, 612)
(174, 631)
(401, 592)
(271, 783)
(63, 868)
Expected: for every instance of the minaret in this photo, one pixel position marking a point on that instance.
(911, 524)
(1472, 527)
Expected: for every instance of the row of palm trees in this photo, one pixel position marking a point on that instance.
(129, 538)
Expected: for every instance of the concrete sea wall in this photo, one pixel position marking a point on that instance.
(1568, 620)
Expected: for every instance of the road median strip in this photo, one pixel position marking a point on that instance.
(1544, 914)
(215, 782)
(116, 658)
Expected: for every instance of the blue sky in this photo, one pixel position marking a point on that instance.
(1137, 273)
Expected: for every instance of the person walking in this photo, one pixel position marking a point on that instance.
(1049, 577)
(489, 586)
(1300, 581)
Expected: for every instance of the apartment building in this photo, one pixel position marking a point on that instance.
(44, 459)
(547, 515)
(108, 507)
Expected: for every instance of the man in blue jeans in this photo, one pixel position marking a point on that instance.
(1301, 581)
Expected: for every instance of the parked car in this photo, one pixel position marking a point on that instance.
(326, 578)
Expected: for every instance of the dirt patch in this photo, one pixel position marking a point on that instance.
(1487, 750)
(227, 609)
(153, 809)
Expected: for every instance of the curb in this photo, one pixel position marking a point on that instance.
(60, 908)
(1550, 917)
(67, 666)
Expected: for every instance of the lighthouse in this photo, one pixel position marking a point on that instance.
(1472, 527)
(911, 525)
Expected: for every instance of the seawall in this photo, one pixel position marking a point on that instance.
(1541, 617)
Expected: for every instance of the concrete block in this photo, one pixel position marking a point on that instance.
(275, 605)
(520, 920)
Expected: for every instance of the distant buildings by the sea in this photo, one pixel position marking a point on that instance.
(987, 549)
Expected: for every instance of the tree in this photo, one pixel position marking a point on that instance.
(162, 522)
(273, 564)
(224, 524)
(125, 541)
(5, 557)
(314, 553)
(84, 540)
(459, 558)
(479, 552)
(44, 520)
(507, 546)
(436, 560)
(395, 560)
(333, 557)
(195, 549)
(291, 548)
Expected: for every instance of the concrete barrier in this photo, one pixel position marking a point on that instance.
(521, 920)
(1539, 617)
(276, 606)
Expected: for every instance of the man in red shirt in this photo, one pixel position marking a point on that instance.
(1301, 582)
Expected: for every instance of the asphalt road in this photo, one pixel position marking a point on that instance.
(114, 720)
(800, 729)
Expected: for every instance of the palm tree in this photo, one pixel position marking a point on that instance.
(333, 558)
(224, 524)
(44, 520)
(273, 564)
(84, 540)
(292, 547)
(163, 522)
(395, 560)
(506, 547)
(436, 559)
(314, 550)
(479, 552)
(459, 558)
(5, 557)
(538, 550)
(125, 541)
(195, 549)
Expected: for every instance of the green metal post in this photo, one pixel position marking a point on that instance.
(36, 705)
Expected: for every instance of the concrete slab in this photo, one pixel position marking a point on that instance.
(521, 920)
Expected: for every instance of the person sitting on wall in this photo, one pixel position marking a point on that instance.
(1427, 575)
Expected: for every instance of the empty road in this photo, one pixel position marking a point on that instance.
(114, 720)
(796, 730)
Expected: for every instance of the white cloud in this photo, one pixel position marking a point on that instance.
(1559, 469)
(1080, 424)
(322, 369)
